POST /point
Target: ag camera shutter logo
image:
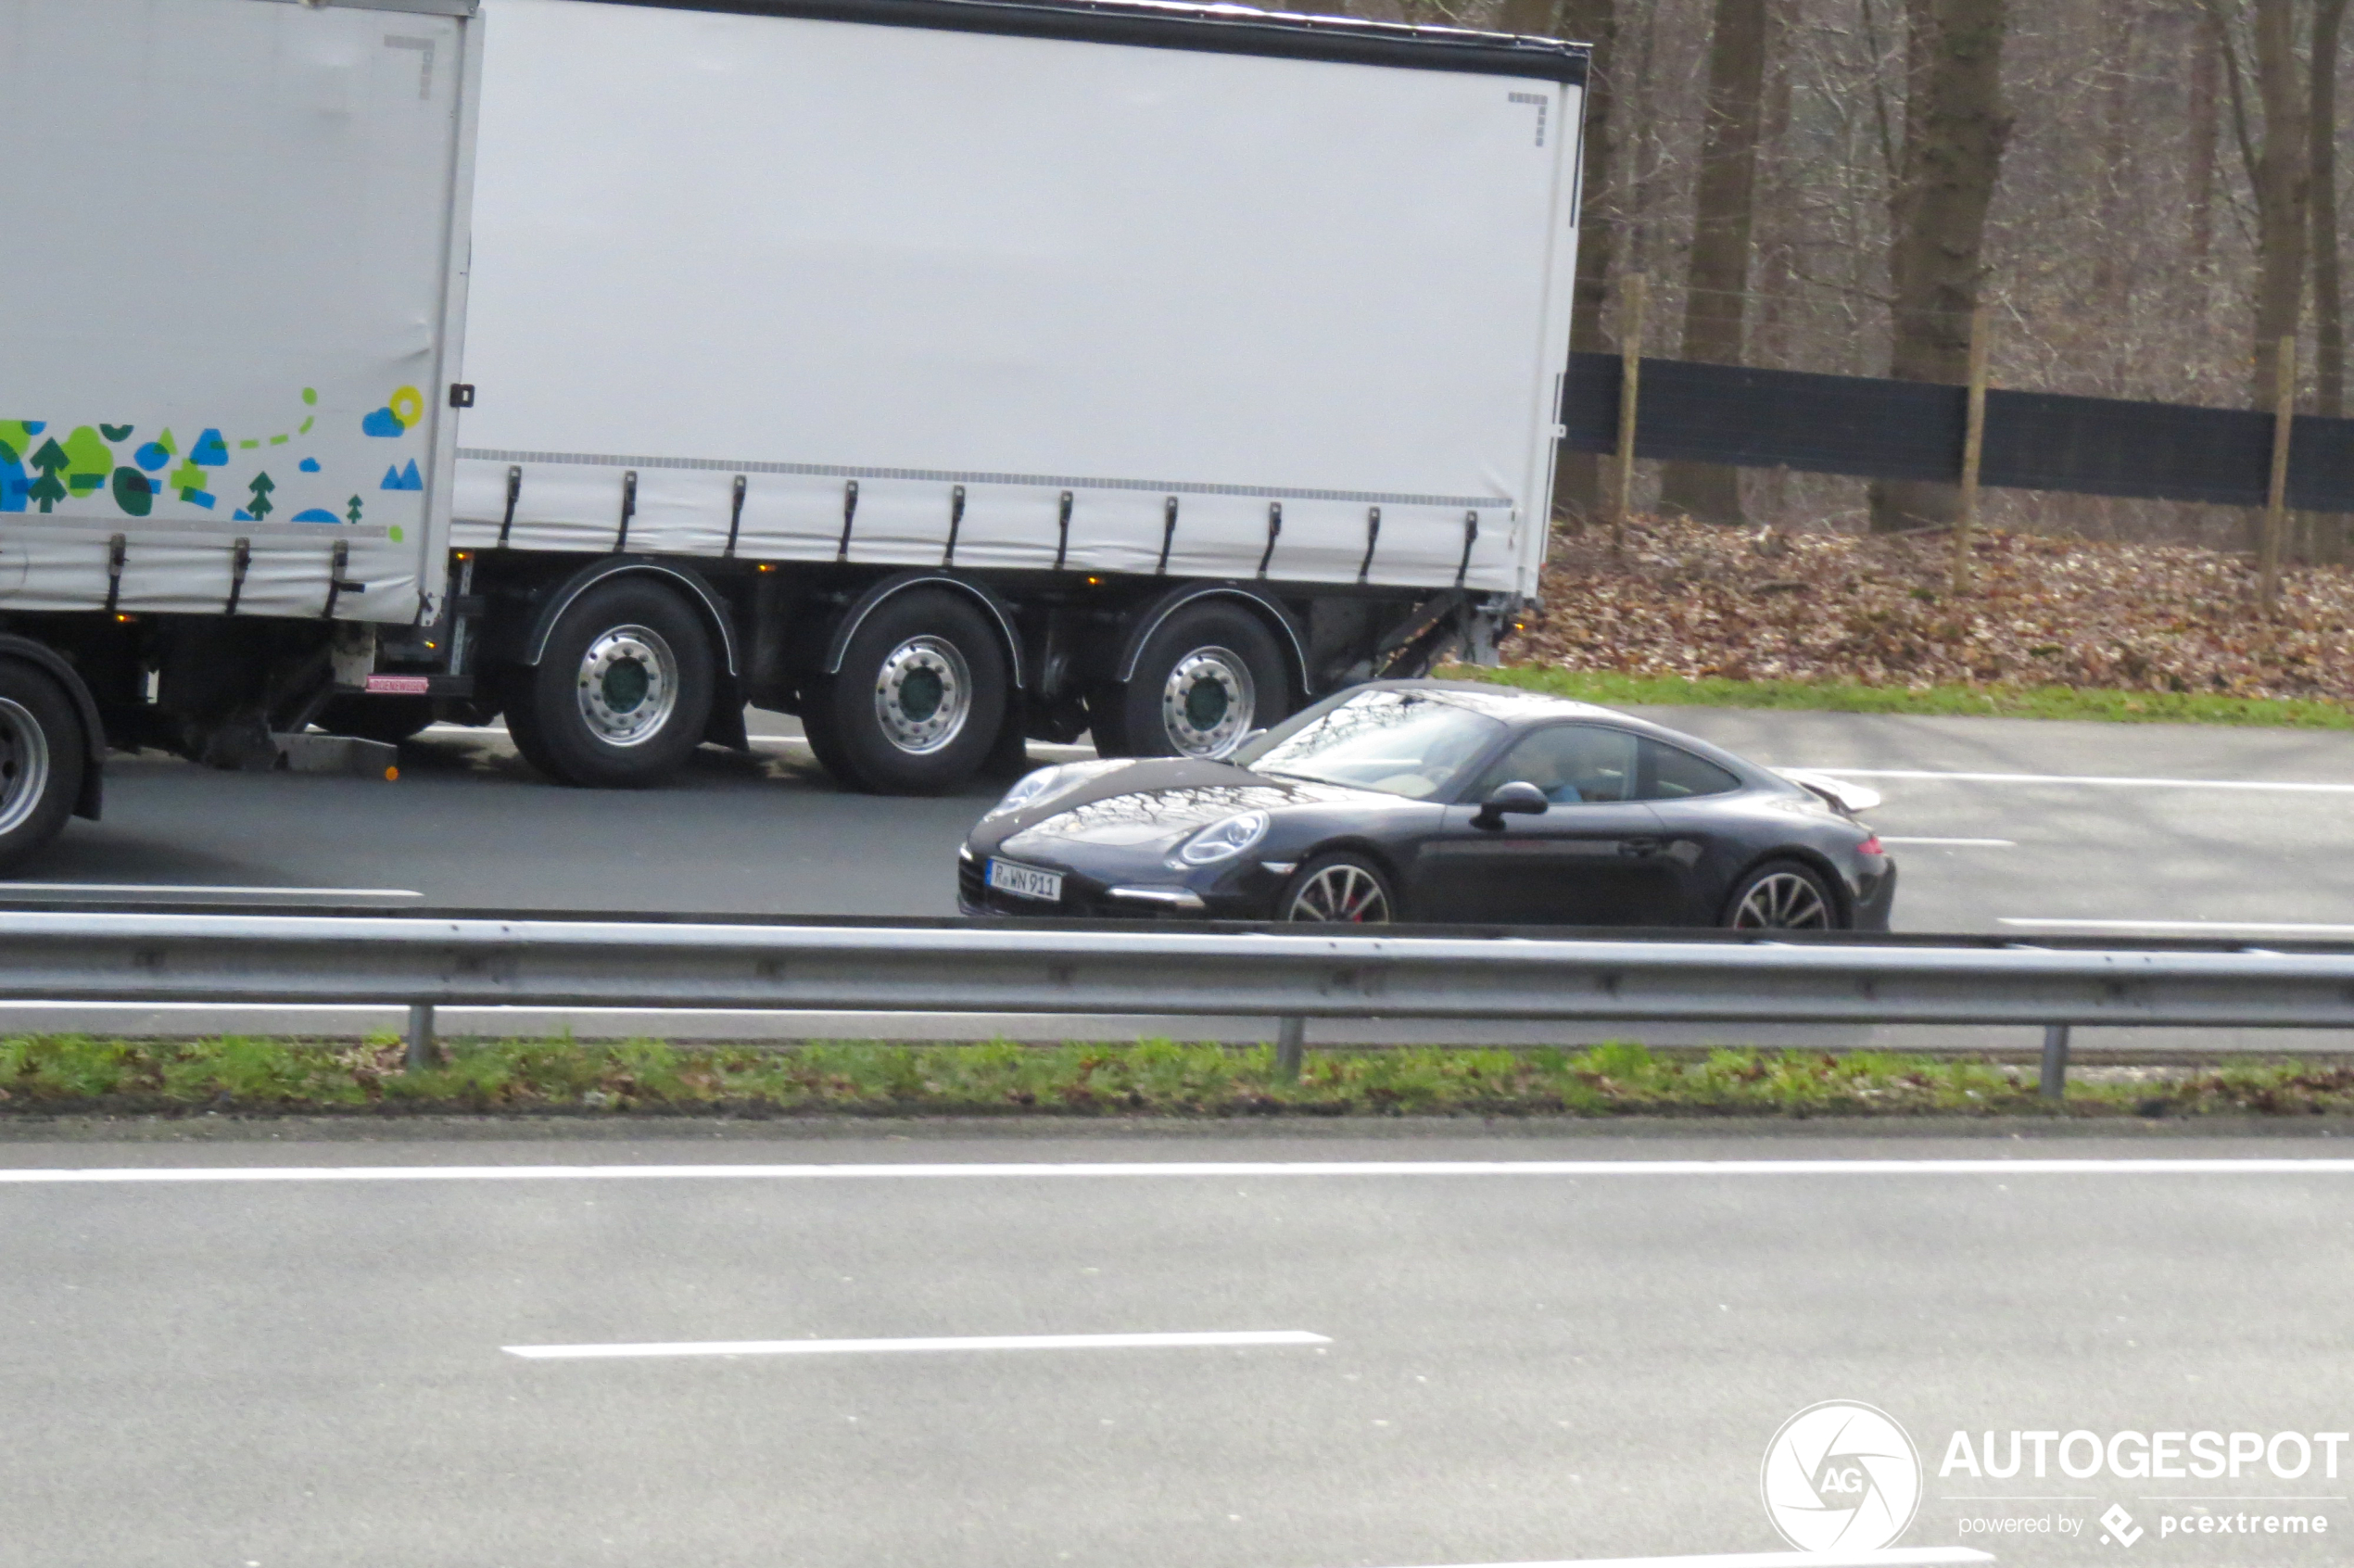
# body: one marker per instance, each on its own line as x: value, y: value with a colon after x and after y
x: 1840, y: 1476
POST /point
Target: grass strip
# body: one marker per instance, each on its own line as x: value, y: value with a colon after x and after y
x: 53, y: 1074
x: 1847, y: 697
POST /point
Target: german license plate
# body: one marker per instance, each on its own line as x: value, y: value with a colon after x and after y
x: 1025, y: 881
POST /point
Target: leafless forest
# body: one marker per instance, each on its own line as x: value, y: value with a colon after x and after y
x: 2142, y: 194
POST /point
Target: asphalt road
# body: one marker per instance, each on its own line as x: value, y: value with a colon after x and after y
x: 2016, y: 827
x: 469, y: 824
x: 1516, y: 1368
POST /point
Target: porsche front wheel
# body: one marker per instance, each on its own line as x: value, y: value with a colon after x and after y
x: 1339, y: 890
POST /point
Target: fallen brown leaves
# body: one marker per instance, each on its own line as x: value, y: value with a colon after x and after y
x: 1693, y: 600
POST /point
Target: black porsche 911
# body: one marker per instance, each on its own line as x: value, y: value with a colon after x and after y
x: 1437, y: 801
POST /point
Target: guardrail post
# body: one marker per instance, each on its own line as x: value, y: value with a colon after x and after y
x: 2055, y: 1079
x: 1291, y: 1048
x: 420, y: 1036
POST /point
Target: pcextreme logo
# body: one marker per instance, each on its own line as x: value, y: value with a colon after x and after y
x: 1840, y: 1476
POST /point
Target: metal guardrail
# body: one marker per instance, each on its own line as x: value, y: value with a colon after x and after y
x: 1294, y: 974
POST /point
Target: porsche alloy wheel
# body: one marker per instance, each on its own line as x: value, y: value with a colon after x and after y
x: 1783, y: 897
x: 1339, y: 890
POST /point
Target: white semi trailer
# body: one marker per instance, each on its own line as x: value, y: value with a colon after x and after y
x: 945, y: 371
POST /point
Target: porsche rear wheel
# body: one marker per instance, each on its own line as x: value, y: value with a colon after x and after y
x: 1783, y: 895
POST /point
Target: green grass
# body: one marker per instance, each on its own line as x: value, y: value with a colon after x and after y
x: 62, y: 1073
x: 1846, y: 697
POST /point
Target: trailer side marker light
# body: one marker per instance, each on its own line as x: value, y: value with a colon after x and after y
x: 392, y: 776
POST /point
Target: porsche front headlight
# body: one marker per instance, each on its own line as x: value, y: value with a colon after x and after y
x: 1224, y: 840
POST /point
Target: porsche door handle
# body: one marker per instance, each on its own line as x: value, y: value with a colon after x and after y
x: 1639, y: 849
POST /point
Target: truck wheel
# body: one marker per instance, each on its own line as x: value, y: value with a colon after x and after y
x: 1208, y: 676
x: 42, y: 757
x: 918, y: 701
x: 389, y: 719
x: 623, y: 692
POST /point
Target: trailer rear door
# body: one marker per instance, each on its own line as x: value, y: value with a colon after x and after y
x: 229, y: 303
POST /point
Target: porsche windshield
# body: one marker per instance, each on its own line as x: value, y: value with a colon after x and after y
x: 1412, y: 743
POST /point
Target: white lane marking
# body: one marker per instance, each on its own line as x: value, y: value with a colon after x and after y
x: 1900, y: 1557
x: 2123, y: 1165
x: 8, y: 888
x: 2191, y: 927
x: 2086, y: 778
x: 1953, y: 843
x: 886, y: 1347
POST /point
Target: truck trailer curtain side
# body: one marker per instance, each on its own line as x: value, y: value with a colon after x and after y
x: 1034, y: 291
x: 949, y: 374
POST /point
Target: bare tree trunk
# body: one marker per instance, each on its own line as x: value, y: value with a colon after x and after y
x: 1955, y: 132
x: 2282, y: 175
x: 1724, y: 208
x: 1577, y: 482
x: 2279, y: 166
x: 2114, y: 258
x: 2329, y: 303
x: 2205, y: 124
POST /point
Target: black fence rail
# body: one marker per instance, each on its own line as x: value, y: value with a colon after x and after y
x: 1873, y: 428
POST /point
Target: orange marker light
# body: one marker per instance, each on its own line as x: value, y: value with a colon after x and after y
x: 392, y: 776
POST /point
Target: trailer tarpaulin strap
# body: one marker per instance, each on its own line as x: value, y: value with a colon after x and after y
x: 240, y: 558
x: 338, y: 564
x: 514, y: 493
x: 118, y: 552
x: 956, y: 524
x: 1875, y: 428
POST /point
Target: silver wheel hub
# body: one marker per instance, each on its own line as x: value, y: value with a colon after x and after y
x: 1783, y: 901
x: 1207, y: 703
x: 25, y: 764
x: 1341, y: 893
x: 629, y: 685
x: 923, y: 694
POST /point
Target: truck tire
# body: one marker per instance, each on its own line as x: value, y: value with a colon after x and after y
x: 42, y: 757
x: 623, y: 692
x: 389, y: 719
x: 1209, y: 675
x: 917, y: 705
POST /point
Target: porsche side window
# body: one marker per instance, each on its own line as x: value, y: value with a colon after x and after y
x: 1672, y: 774
x: 1572, y: 762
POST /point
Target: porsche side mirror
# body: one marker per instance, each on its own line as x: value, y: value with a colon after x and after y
x: 1519, y: 798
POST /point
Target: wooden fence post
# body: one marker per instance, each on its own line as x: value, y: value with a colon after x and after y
x: 1973, y: 449
x: 2268, y: 551
x: 1630, y: 381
